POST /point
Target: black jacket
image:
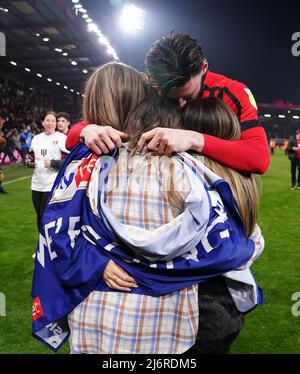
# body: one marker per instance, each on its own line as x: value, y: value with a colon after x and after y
x: 289, y: 151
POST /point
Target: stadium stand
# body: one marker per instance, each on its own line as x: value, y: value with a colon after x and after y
x: 49, y: 55
x: 280, y: 120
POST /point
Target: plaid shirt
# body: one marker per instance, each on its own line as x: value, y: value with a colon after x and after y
x: 118, y: 322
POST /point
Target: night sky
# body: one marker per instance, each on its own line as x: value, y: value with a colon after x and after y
x: 247, y: 41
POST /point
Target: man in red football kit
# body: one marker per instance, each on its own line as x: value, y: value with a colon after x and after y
x: 176, y: 64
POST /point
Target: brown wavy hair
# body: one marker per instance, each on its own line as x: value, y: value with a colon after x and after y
x: 214, y: 117
x: 111, y: 93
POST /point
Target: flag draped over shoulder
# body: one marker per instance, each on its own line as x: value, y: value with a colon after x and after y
x: 79, y: 235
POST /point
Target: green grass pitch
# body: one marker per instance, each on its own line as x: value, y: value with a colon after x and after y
x: 271, y: 328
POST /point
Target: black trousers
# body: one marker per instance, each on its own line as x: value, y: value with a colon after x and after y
x: 219, y: 320
x: 39, y: 200
x: 295, y: 164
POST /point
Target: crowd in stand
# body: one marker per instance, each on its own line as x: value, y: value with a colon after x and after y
x: 21, y: 108
x: 279, y: 128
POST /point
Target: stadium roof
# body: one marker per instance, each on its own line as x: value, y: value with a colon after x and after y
x: 38, y: 33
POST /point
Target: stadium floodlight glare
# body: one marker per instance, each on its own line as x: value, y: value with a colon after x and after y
x: 5, y: 10
x: 74, y: 63
x: 281, y: 116
x: 39, y: 75
x: 78, y: 93
x: 27, y: 69
x: 13, y: 63
x: 82, y: 10
x: 37, y: 34
x: 110, y: 51
x: 49, y: 79
x: 85, y: 15
x: 92, y: 27
x: 58, y: 50
x: 132, y: 18
x: 75, y: 1
x: 46, y: 39
x: 103, y: 40
x: 57, y: 83
x: 296, y: 117
x: 71, y: 90
x: 84, y: 71
x: 65, y: 54
x: 267, y: 115
x: 88, y: 20
x: 66, y: 87
x: 78, y: 6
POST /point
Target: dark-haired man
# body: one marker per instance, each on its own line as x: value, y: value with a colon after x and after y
x: 63, y: 122
x: 177, y: 65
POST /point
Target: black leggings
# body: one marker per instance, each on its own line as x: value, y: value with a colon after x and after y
x: 39, y: 200
x: 219, y: 319
x: 295, y: 164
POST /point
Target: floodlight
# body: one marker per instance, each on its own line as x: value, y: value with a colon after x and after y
x: 132, y: 18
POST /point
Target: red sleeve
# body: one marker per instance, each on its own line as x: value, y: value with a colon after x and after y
x: 249, y: 154
x: 73, y: 137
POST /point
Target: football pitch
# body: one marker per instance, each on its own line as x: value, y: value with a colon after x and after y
x: 271, y: 328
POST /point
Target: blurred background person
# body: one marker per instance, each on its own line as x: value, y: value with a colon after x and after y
x: 2, y: 144
x: 63, y: 122
x: 293, y: 152
x: 25, y: 140
x: 2, y: 190
x: 272, y: 145
x: 5, y: 146
x: 47, y: 150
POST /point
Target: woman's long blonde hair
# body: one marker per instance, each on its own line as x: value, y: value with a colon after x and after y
x: 111, y: 93
x: 214, y: 117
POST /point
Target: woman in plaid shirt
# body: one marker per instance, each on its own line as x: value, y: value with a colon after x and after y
x: 147, y: 192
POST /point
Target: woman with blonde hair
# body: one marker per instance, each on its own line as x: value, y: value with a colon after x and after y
x: 163, y: 220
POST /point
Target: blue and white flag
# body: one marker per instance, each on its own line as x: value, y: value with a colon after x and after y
x: 79, y: 235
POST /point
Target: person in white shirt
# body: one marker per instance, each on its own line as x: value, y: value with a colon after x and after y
x: 47, y: 151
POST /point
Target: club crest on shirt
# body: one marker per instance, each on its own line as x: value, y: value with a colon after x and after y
x: 37, y: 311
x: 76, y: 176
x: 85, y: 170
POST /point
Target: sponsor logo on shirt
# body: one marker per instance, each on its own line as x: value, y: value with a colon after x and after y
x: 43, y: 152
